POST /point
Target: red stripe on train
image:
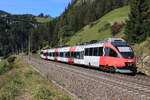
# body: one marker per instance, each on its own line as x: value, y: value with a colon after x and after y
x: 56, y: 50
x: 113, y: 61
x: 55, y: 58
x: 71, y: 60
x: 72, y: 49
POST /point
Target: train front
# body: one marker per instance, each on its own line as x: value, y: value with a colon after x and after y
x: 128, y: 58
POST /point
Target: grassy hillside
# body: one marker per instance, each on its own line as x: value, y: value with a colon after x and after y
x: 43, y: 20
x: 100, y: 29
x: 18, y: 81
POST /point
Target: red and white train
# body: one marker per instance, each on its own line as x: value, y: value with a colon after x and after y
x: 112, y: 54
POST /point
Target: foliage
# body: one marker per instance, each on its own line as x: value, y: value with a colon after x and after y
x: 28, y: 84
x: 145, y: 47
x: 43, y: 19
x: 137, y: 27
x: 14, y: 32
x: 76, y: 16
x: 116, y: 27
x: 7, y: 65
x: 101, y: 28
x: 11, y: 59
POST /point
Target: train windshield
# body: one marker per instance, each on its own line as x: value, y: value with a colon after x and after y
x: 124, y: 49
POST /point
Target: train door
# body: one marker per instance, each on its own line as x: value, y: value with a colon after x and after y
x: 110, y: 58
x: 91, y: 57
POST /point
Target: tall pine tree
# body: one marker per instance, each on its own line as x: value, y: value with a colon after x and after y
x: 137, y: 27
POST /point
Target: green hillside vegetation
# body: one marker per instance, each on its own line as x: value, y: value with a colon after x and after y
x: 42, y: 19
x: 100, y: 29
x: 143, y: 47
x: 21, y: 82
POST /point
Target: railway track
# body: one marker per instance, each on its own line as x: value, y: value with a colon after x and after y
x: 139, y: 79
x: 136, y: 85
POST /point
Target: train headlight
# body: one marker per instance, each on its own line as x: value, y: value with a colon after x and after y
x: 129, y: 64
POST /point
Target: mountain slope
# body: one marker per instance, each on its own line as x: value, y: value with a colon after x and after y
x: 3, y: 13
x: 100, y: 29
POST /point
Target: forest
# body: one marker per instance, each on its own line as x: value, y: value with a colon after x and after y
x: 18, y: 33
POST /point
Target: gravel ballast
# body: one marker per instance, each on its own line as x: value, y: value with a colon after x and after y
x: 89, y: 84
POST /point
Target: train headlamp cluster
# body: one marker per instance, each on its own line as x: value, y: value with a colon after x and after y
x: 129, y: 64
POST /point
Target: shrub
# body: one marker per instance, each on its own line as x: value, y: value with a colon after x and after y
x: 116, y: 27
x: 6, y: 67
x: 11, y: 59
x: 91, y: 25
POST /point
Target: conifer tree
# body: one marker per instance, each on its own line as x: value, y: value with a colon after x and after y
x: 137, y: 27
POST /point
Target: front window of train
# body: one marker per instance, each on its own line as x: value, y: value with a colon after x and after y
x: 125, y: 50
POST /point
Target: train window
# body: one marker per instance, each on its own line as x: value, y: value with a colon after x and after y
x: 112, y: 53
x: 41, y: 52
x: 78, y: 55
x: 86, y: 51
x: 56, y: 54
x: 53, y: 54
x: 95, y: 51
x: 91, y: 51
x: 75, y: 54
x: 45, y: 54
x: 72, y: 54
x: 100, y: 51
x: 49, y: 54
x: 67, y: 54
x: 106, y: 51
x: 61, y: 54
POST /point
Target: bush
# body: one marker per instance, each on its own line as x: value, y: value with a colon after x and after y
x: 116, y: 27
x: 11, y: 59
x: 91, y: 25
x: 6, y: 67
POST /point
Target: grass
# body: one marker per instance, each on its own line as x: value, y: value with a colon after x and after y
x: 43, y: 20
x: 7, y: 65
x: 1, y: 63
x: 23, y: 82
x: 143, y: 48
x: 35, y: 55
x: 91, y: 31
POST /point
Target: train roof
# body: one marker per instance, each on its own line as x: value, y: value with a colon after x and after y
x: 108, y: 40
x: 93, y: 42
